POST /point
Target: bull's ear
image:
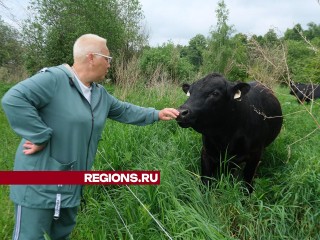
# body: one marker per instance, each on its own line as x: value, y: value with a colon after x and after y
x: 185, y: 87
x: 239, y: 90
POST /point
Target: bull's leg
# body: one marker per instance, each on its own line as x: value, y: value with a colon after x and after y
x: 250, y: 170
x: 208, y: 167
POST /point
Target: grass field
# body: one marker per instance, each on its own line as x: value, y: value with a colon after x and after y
x: 284, y: 205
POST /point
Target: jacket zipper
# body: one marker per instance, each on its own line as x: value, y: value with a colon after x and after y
x: 92, y: 123
x: 92, y: 118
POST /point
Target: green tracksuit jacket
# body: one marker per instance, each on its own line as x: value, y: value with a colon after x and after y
x: 49, y: 108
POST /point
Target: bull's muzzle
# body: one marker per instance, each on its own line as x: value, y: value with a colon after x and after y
x: 183, y: 118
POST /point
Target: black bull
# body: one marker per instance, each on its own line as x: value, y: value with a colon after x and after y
x: 239, y: 119
x: 305, y: 92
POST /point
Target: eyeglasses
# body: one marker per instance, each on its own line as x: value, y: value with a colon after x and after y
x: 108, y: 58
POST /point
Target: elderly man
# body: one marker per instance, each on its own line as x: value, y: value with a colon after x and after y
x: 60, y: 113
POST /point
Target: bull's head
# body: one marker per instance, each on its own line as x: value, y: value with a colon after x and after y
x: 209, y: 100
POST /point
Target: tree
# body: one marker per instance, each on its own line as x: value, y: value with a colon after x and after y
x: 134, y: 36
x: 194, y: 51
x: 270, y: 38
x: 223, y: 54
x: 313, y: 31
x: 56, y: 24
x: 298, y: 34
x: 167, y: 57
x: 303, y: 62
x: 10, y: 52
x: 304, y: 53
x: 293, y: 34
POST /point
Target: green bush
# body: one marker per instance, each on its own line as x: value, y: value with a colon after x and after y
x: 167, y: 57
x: 303, y: 62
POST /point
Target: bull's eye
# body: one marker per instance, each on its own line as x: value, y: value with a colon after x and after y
x: 214, y: 94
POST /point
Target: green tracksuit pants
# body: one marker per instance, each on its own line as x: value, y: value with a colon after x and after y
x: 34, y: 223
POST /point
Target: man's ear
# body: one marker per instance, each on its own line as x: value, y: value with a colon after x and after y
x: 186, y: 87
x: 239, y: 90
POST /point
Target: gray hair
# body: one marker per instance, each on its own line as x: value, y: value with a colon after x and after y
x: 88, y: 43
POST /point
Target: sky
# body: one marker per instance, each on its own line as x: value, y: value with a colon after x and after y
x: 180, y: 20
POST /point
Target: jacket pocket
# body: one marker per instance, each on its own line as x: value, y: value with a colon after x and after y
x: 55, y: 165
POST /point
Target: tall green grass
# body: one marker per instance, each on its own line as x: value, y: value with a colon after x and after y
x: 284, y: 205
x: 8, y: 144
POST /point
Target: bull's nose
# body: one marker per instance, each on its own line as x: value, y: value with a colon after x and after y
x: 184, y: 113
x: 184, y: 118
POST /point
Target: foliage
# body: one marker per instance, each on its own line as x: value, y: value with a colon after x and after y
x: 8, y: 148
x: 235, y: 68
x: 135, y: 36
x: 54, y: 26
x: 293, y: 34
x: 304, y: 53
x: 303, y: 62
x: 194, y: 51
x: 168, y: 58
x: 11, y: 51
x: 267, y: 59
x: 270, y: 39
x: 224, y: 54
x: 297, y: 32
x: 57, y: 24
x: 313, y: 31
x: 127, y: 74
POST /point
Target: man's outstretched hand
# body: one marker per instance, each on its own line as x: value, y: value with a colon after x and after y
x: 168, y: 114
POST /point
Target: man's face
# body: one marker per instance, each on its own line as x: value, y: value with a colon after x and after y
x: 101, y: 62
